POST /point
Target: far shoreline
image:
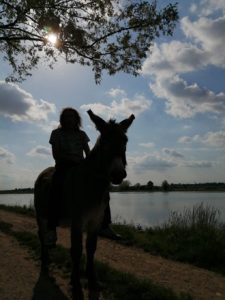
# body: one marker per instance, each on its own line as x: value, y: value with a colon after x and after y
x: 129, y: 190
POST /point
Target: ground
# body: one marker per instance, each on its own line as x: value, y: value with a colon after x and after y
x: 20, y: 276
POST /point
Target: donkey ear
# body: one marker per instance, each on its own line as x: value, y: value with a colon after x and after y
x: 125, y: 124
x: 99, y: 122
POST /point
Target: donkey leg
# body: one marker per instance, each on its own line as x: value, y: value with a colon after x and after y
x: 42, y: 225
x: 44, y: 254
x: 91, y: 245
x: 76, y: 253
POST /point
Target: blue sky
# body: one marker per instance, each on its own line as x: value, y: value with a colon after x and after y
x: 178, y: 101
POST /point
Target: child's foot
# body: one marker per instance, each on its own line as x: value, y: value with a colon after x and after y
x: 109, y: 233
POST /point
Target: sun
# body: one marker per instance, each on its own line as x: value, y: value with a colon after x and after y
x: 52, y: 38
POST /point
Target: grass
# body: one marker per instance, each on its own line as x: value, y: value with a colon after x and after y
x: 115, y: 284
x: 195, y: 236
x: 24, y: 210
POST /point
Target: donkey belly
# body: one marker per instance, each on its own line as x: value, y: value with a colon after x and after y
x: 93, y: 218
x: 41, y: 192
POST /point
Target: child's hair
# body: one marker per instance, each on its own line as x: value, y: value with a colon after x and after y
x: 76, y: 116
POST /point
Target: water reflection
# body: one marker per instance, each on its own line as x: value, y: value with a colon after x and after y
x: 150, y: 209
x: 146, y: 209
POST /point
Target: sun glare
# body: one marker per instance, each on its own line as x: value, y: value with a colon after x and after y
x: 52, y: 38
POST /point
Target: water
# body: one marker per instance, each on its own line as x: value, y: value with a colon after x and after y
x: 17, y: 199
x: 146, y: 209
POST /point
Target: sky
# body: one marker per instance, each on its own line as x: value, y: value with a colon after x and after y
x: 178, y: 100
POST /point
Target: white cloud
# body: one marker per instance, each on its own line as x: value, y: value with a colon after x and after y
x: 19, y: 105
x: 198, y: 164
x: 185, y: 101
x: 193, y: 8
x: 6, y: 156
x: 163, y: 164
x: 150, y: 162
x: 172, y: 153
x: 116, y: 92
x: 185, y: 140
x: 186, y: 127
x: 209, y: 34
x: 147, y: 145
x: 122, y: 108
x: 205, y: 47
x: 214, y: 139
x: 168, y: 59
x: 208, y: 7
x: 40, y: 151
x: 48, y: 126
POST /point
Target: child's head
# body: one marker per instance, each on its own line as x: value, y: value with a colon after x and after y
x: 70, y: 118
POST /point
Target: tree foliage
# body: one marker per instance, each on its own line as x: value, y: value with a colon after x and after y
x: 111, y: 35
x: 150, y: 184
x: 165, y: 185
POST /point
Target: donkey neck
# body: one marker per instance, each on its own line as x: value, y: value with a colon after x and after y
x: 99, y: 162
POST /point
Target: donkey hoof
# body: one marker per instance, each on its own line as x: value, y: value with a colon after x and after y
x: 77, y: 294
x: 94, y: 295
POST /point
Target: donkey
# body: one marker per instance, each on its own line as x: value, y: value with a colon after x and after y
x: 85, y: 196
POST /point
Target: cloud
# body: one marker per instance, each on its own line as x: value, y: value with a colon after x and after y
x: 122, y: 108
x: 185, y: 101
x: 185, y: 140
x: 193, y: 8
x: 6, y: 156
x: 40, y: 151
x: 149, y: 162
x: 209, y: 34
x: 147, y: 145
x: 198, y: 164
x: 175, y: 57
x: 116, y: 92
x: 168, y: 61
x: 214, y: 139
x: 48, y: 126
x: 208, y: 7
x: 19, y: 105
x: 172, y: 153
x: 186, y: 127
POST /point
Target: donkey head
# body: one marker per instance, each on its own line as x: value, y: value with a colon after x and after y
x: 112, y: 144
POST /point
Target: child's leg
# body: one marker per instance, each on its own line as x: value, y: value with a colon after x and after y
x: 107, y: 217
x: 55, y: 199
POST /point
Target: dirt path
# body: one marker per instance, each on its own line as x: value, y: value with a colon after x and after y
x: 201, y: 284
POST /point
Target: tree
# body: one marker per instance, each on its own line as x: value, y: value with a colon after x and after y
x: 165, y: 185
x: 150, y: 185
x: 137, y: 186
x: 104, y: 34
x: 124, y: 185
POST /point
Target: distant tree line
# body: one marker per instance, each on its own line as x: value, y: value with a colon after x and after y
x: 166, y: 187
x: 18, y: 191
x: 148, y: 187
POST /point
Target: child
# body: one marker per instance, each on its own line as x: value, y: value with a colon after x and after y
x: 69, y: 143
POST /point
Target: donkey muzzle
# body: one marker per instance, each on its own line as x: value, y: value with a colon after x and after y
x: 117, y: 171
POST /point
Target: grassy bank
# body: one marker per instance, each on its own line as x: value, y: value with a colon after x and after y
x: 24, y: 210
x: 195, y: 236
x: 115, y: 284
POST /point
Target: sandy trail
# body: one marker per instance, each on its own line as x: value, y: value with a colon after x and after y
x: 200, y: 283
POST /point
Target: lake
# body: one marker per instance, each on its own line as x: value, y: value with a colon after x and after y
x: 146, y: 209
